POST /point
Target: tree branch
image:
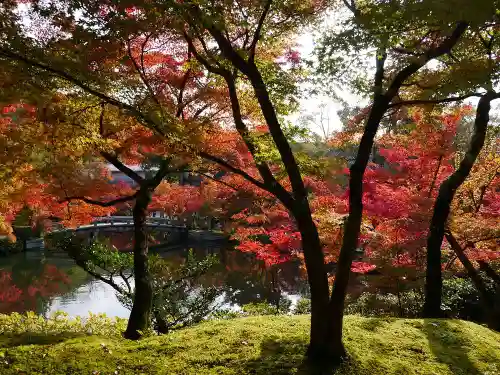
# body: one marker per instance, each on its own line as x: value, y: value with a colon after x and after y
x: 142, y: 73
x: 100, y: 203
x: 434, y: 101
x: 264, y: 170
x: 256, y: 36
x: 68, y: 77
x: 431, y: 54
x: 234, y: 170
x: 122, y: 167
x: 433, y: 184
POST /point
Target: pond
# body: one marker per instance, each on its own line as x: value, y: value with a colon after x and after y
x: 46, y: 282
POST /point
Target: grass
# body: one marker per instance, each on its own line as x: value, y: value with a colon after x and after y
x: 261, y: 345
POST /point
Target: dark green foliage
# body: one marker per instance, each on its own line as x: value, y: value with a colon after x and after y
x: 460, y: 301
x: 303, y: 306
x: 9, y: 247
x: 178, y: 300
x: 263, y: 308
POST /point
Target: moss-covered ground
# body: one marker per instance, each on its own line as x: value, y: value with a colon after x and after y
x: 261, y: 345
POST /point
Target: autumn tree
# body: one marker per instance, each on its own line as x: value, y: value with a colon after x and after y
x: 101, y: 35
x: 401, y: 44
x: 245, y: 50
x: 71, y: 183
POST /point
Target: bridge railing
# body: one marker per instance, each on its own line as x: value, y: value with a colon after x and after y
x: 192, y: 222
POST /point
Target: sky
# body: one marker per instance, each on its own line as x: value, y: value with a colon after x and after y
x: 310, y: 105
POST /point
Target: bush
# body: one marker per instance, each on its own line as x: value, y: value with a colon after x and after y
x: 178, y: 301
x: 59, y: 323
x: 303, y: 306
x: 9, y: 247
x: 264, y: 308
x: 461, y: 299
x: 409, y: 304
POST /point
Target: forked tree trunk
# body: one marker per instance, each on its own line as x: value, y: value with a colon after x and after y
x: 140, y: 316
x: 433, y: 281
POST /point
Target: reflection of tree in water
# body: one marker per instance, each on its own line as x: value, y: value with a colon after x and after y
x: 30, y: 285
x: 245, y: 279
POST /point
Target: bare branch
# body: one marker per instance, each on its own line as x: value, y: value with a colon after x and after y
x: 100, y: 203
x: 256, y: 35
x: 433, y: 101
x: 122, y: 167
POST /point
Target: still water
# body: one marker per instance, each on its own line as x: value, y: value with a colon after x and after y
x: 45, y: 282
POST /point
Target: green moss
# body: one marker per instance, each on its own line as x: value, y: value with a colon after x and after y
x: 262, y: 345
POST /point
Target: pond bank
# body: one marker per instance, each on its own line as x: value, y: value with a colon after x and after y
x: 260, y: 345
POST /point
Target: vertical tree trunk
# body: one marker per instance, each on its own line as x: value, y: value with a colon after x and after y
x: 140, y: 316
x: 353, y: 224
x: 320, y: 333
x: 434, y: 282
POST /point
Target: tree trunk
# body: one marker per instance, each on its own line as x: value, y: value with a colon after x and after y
x: 478, y: 282
x: 140, y: 316
x: 353, y: 224
x: 320, y: 332
x: 490, y: 272
x: 489, y: 300
x: 434, y: 282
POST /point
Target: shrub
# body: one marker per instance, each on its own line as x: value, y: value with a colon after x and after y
x: 178, y: 301
x: 303, y: 306
x: 59, y: 323
x: 408, y: 304
x: 9, y: 247
x: 264, y: 308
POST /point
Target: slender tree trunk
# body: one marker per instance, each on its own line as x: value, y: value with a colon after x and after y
x: 490, y: 300
x: 140, y: 316
x: 471, y: 271
x: 434, y: 282
x: 492, y: 274
x: 353, y: 224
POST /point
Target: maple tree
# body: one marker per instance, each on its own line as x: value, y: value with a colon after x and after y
x: 400, y: 193
x: 402, y: 44
x: 242, y: 65
x: 165, y: 25
x: 71, y: 184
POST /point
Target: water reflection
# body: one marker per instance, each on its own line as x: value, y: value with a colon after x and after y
x: 45, y: 282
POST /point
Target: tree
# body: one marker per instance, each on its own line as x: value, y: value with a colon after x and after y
x: 243, y: 52
x: 403, y: 43
x: 102, y: 74
x: 67, y: 175
x: 442, y: 206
